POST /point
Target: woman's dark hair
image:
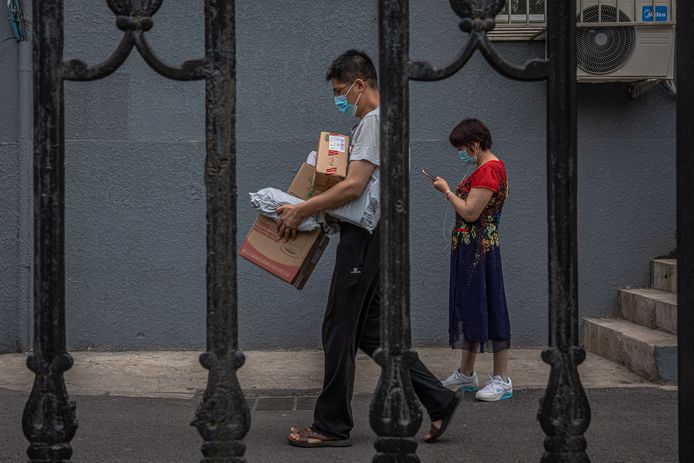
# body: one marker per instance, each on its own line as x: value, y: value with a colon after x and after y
x: 470, y: 131
x: 353, y: 65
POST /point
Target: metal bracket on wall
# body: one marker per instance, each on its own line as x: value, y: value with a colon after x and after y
x: 670, y: 85
x: 636, y: 89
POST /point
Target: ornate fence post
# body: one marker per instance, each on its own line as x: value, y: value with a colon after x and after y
x: 223, y: 418
x: 49, y: 421
x: 395, y: 414
x: 564, y: 412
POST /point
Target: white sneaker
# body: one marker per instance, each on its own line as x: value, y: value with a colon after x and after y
x: 458, y: 381
x: 496, y: 389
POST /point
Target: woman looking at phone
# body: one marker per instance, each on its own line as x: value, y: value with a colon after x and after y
x: 477, y: 302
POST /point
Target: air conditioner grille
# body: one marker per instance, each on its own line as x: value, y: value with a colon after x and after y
x: 602, y: 50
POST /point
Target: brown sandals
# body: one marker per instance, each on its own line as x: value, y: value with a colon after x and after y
x: 308, y: 438
x: 435, y: 432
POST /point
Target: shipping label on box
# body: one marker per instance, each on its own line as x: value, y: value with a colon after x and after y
x: 331, y: 161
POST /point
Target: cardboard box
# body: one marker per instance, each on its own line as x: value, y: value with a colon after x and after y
x: 292, y: 261
x: 331, y: 161
x: 302, y: 186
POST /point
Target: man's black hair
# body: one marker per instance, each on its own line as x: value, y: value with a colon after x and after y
x: 353, y: 65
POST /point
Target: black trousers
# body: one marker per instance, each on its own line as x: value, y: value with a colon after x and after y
x: 352, y: 321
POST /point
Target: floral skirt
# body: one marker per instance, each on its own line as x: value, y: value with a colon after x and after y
x: 477, y: 302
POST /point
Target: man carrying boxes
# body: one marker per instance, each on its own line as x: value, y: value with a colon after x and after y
x: 352, y: 316
x: 294, y: 260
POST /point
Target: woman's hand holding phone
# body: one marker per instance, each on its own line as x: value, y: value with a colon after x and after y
x: 439, y: 183
x: 442, y: 185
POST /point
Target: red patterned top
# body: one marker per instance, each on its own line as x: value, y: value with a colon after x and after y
x: 484, y: 232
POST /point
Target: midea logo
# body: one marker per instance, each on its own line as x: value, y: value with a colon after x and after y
x: 660, y: 13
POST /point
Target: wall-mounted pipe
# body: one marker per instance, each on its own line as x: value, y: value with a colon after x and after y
x: 25, y: 232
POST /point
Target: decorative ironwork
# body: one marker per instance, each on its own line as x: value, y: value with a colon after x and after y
x: 394, y: 413
x: 223, y: 418
x: 564, y: 412
x: 478, y: 15
x: 478, y: 18
x: 49, y: 421
x: 134, y: 14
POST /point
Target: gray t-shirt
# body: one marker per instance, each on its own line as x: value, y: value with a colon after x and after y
x: 365, y: 144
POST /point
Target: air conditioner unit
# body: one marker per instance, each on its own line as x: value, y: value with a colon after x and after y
x: 625, y: 40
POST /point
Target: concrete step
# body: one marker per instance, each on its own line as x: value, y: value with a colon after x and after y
x: 651, y: 308
x: 647, y: 352
x: 664, y: 275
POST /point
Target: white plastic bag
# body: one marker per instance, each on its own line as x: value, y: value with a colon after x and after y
x: 311, y: 159
x: 365, y: 211
x: 267, y: 200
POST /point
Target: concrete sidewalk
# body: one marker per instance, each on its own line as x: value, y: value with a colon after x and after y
x: 276, y: 373
x: 137, y: 406
x: 628, y: 425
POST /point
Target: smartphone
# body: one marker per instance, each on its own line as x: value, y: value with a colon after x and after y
x: 432, y: 177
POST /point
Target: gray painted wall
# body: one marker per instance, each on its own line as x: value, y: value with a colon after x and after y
x: 135, y: 219
x: 8, y: 186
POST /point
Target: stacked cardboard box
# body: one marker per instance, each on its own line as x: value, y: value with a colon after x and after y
x: 294, y: 261
x: 331, y: 161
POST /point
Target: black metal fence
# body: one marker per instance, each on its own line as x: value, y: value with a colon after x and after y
x: 564, y: 413
x: 223, y: 418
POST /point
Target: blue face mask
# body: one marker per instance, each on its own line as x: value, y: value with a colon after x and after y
x: 343, y: 105
x: 466, y: 158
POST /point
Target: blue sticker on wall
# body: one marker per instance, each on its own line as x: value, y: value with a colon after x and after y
x: 660, y: 13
